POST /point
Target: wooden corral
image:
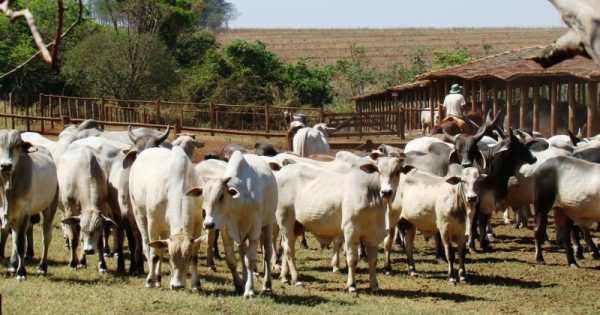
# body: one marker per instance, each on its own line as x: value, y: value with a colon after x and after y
x: 551, y: 100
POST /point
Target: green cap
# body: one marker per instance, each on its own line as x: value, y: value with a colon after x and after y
x: 455, y: 89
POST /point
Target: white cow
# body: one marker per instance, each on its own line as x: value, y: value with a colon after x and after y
x: 242, y: 205
x: 188, y: 142
x: 421, y: 145
x: 309, y: 141
x: 83, y: 195
x: 426, y: 124
x: 29, y: 186
x: 337, y: 207
x: 436, y: 204
x: 165, y: 216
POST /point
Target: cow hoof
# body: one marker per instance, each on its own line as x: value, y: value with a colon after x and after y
x: 102, y: 270
x: 157, y: 285
x: 266, y: 291
x: 388, y: 272
x: 352, y: 290
x: 472, y: 250
x: 249, y: 294
x: 213, y: 268
x: 285, y: 281
x: 413, y: 274
x: 453, y: 281
x: 463, y: 279
x: 540, y: 262
x: 574, y: 266
x: 336, y: 270
x: 487, y: 249
x: 81, y: 266
x: 507, y: 221
x: 441, y: 260
x: 42, y: 272
x: 196, y: 289
x: 149, y: 285
x: 12, y: 270
x: 21, y: 278
x: 299, y: 283
x: 375, y: 290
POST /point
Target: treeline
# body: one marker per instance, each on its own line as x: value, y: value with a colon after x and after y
x: 146, y: 49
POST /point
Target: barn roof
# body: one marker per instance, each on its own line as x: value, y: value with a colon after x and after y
x: 516, y: 63
x: 397, y: 88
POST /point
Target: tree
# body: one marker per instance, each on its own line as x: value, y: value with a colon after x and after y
x: 357, y: 70
x: 309, y: 85
x: 448, y: 58
x: 213, y: 14
x: 117, y: 68
x: 191, y: 48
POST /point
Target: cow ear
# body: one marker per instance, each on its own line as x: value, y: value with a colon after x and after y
x: 198, y: 144
x: 453, y: 180
x: 194, y: 192
x: 406, y: 168
x: 233, y: 192
x: 453, y: 157
x: 160, y: 244
x: 503, y: 149
x: 482, y: 176
x: 375, y: 154
x: 28, y: 147
x: 369, y: 168
x: 71, y: 220
x: 288, y: 162
x: 129, y: 159
x: 274, y: 166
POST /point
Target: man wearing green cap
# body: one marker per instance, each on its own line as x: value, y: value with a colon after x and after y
x: 454, y: 102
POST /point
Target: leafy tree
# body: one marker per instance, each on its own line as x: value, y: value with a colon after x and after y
x: 309, y: 85
x: 121, y: 66
x: 357, y: 70
x: 191, y: 48
x: 487, y: 47
x: 213, y: 14
x: 448, y: 58
x: 419, y: 65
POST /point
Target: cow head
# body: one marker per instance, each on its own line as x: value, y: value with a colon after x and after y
x: 12, y: 150
x: 265, y: 149
x: 389, y: 169
x: 188, y: 142
x: 466, y: 151
x: 218, y: 199
x: 468, y: 184
x: 92, y: 224
x: 183, y: 252
x: 142, y: 143
x: 322, y: 127
x: 516, y: 151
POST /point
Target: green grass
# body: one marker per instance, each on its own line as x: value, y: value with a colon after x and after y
x: 505, y: 281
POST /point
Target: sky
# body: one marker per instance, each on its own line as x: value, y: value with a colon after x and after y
x: 394, y: 13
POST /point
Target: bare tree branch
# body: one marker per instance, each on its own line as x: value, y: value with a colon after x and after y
x: 56, y: 43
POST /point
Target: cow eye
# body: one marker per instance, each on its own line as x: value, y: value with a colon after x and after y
x: 221, y: 198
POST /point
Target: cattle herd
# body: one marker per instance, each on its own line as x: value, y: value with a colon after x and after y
x: 135, y: 184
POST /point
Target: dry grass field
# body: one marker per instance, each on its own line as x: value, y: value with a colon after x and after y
x: 388, y: 46
x: 503, y: 281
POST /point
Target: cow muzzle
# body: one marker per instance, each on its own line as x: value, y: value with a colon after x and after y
x: 209, y: 225
x: 386, y: 193
x: 6, y: 167
x: 472, y: 199
x: 466, y: 164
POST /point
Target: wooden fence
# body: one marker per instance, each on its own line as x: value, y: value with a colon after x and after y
x: 51, y: 112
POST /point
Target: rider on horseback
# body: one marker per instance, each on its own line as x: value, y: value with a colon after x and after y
x: 453, y: 103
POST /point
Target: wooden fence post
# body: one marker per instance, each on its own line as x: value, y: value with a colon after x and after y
x: 571, y: 101
x: 321, y: 115
x: 267, y: 129
x: 211, y: 113
x: 536, y: 106
x: 522, y: 110
x: 12, y: 110
x: 158, y: 112
x: 400, y: 123
x: 41, y: 111
x: 27, y: 122
x: 553, y: 108
x: 592, y: 92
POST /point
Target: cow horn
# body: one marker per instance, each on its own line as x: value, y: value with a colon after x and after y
x: 488, y: 117
x: 479, y: 135
x: 132, y: 137
x: 573, y: 137
x: 225, y: 180
x: 447, y: 137
x: 164, y: 135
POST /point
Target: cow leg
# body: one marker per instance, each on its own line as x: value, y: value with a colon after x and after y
x: 106, y: 235
x: 210, y: 260
x: 411, y: 231
x: 153, y: 279
x: 483, y: 223
x: 288, y: 261
x: 250, y: 266
x: 133, y: 245
x: 506, y: 215
x: 587, y: 236
x: 19, y: 237
x: 387, y: 247
x: 576, y: 240
x: 303, y: 243
x: 120, y: 239
x: 372, y: 259
x: 462, y: 273
x: 276, y: 251
x: 30, y: 251
x: 215, y: 245
x: 362, y: 252
x: 267, y: 240
x: 566, y: 240
x: 473, y: 234
x: 232, y: 262
x: 351, y: 260
x: 440, y: 254
x: 541, y: 221
x: 335, y: 259
x: 3, y: 239
x: 447, y: 242
x: 46, y: 237
x: 101, y: 261
x: 399, y: 237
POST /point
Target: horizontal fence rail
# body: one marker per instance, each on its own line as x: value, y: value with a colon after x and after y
x: 51, y: 112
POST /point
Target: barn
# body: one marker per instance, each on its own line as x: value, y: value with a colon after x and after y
x: 550, y: 100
